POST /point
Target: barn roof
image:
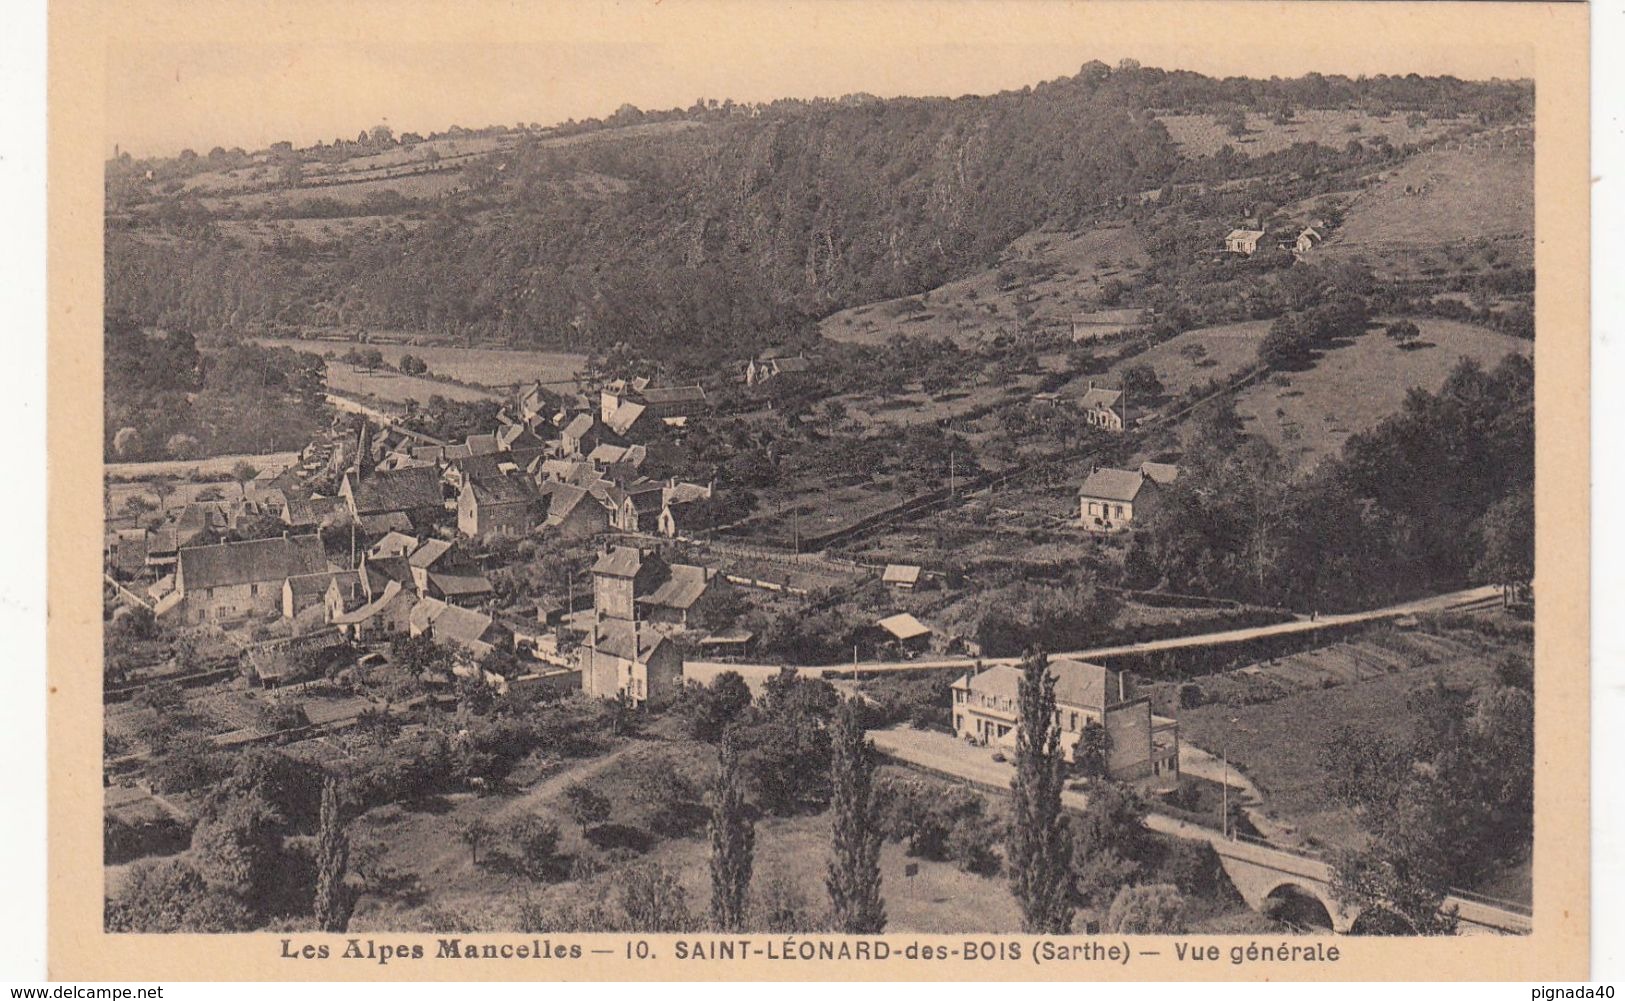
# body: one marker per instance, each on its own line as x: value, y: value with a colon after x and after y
x: 407, y: 489
x: 253, y: 562
x: 905, y: 626
x: 1113, y: 484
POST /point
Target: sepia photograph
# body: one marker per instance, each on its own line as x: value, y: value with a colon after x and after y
x: 786, y: 491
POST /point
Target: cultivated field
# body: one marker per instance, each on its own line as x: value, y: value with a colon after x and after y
x: 1273, y: 718
x: 1309, y: 414
x: 393, y: 387
x: 498, y: 368
x: 1044, y: 281
x: 1202, y: 135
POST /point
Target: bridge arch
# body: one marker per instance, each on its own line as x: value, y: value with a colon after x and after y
x: 1303, y: 906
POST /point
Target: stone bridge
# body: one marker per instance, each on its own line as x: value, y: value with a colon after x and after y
x: 1267, y: 876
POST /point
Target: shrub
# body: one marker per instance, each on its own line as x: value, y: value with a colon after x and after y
x: 972, y: 844
x: 1191, y: 695
x: 654, y: 901
x: 780, y: 906
x: 1157, y: 909
x: 535, y: 842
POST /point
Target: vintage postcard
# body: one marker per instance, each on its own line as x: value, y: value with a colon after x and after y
x: 748, y: 490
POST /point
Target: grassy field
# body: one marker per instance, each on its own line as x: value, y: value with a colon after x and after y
x: 434, y: 873
x: 1225, y: 349
x: 394, y: 387
x: 1309, y: 414
x: 1202, y: 135
x: 494, y: 367
x: 1461, y: 194
x: 1044, y: 281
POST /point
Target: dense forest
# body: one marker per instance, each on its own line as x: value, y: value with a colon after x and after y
x: 167, y: 400
x: 708, y: 241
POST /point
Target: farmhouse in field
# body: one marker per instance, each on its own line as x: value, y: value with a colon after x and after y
x: 1243, y: 241
x: 1104, y: 408
x: 1138, y: 743
x: 235, y: 580
x: 773, y: 363
x: 1111, y: 499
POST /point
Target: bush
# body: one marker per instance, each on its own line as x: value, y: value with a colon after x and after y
x: 1157, y: 909
x: 170, y: 896
x: 274, y: 717
x: 780, y: 906
x: 1194, y: 867
x: 535, y: 842
x: 925, y: 815
x: 1191, y: 695
x: 972, y: 844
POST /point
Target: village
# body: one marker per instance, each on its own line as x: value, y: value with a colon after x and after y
x: 385, y: 573
x: 1196, y: 459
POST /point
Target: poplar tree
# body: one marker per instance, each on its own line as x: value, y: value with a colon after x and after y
x: 733, y: 840
x: 1040, y: 851
x: 334, y: 900
x: 854, y: 868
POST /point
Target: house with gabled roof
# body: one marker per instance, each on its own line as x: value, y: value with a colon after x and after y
x: 505, y: 504
x: 675, y: 598
x: 471, y: 632
x: 906, y: 631
x: 314, y: 512
x: 386, y: 614
x: 394, y: 544
x: 584, y: 433
x: 620, y: 575
x: 625, y: 417
x: 1139, y: 744
x: 675, y: 502
x: 1243, y: 241
x: 1104, y: 408
x: 773, y: 363
x: 304, y: 591
x: 415, y: 492
x: 630, y: 660
x: 1111, y: 499
x: 231, y: 581
x: 1164, y: 473
x: 638, y: 506
x: 902, y: 576
x: 572, y: 512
